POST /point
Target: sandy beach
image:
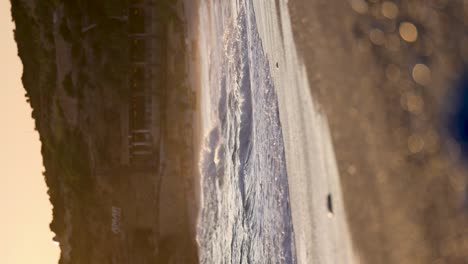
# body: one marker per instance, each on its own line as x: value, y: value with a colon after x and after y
x: 312, y: 170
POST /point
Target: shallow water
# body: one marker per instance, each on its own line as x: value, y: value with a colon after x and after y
x: 246, y: 215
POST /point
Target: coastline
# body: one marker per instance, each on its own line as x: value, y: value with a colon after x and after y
x: 320, y: 235
x: 196, y: 12
x: 191, y: 13
x: 179, y: 203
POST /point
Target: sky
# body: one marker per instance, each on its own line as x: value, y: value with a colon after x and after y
x: 25, y: 210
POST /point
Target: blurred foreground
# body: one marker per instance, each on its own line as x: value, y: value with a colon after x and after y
x: 382, y: 72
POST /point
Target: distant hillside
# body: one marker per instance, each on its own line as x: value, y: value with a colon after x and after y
x: 61, y: 75
x: 76, y: 62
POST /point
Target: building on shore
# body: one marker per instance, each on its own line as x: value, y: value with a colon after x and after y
x: 142, y: 114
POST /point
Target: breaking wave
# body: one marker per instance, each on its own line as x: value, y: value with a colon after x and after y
x: 245, y: 215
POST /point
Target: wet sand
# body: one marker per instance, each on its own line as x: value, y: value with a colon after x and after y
x: 320, y: 237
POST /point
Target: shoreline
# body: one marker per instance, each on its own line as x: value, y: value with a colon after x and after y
x: 312, y: 178
x: 179, y: 204
x: 199, y: 80
x: 194, y: 81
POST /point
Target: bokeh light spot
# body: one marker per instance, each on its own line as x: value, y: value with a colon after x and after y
x: 359, y: 6
x: 389, y: 10
x: 408, y: 32
x: 421, y: 74
x: 414, y: 104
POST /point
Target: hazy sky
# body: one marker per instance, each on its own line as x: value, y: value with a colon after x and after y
x: 25, y: 210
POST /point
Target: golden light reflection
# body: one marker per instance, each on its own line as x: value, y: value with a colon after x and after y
x: 360, y: 6
x: 389, y: 10
x: 414, y: 103
x: 408, y: 32
x: 421, y: 74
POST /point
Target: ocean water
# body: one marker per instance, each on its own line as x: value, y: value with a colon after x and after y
x: 246, y: 214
